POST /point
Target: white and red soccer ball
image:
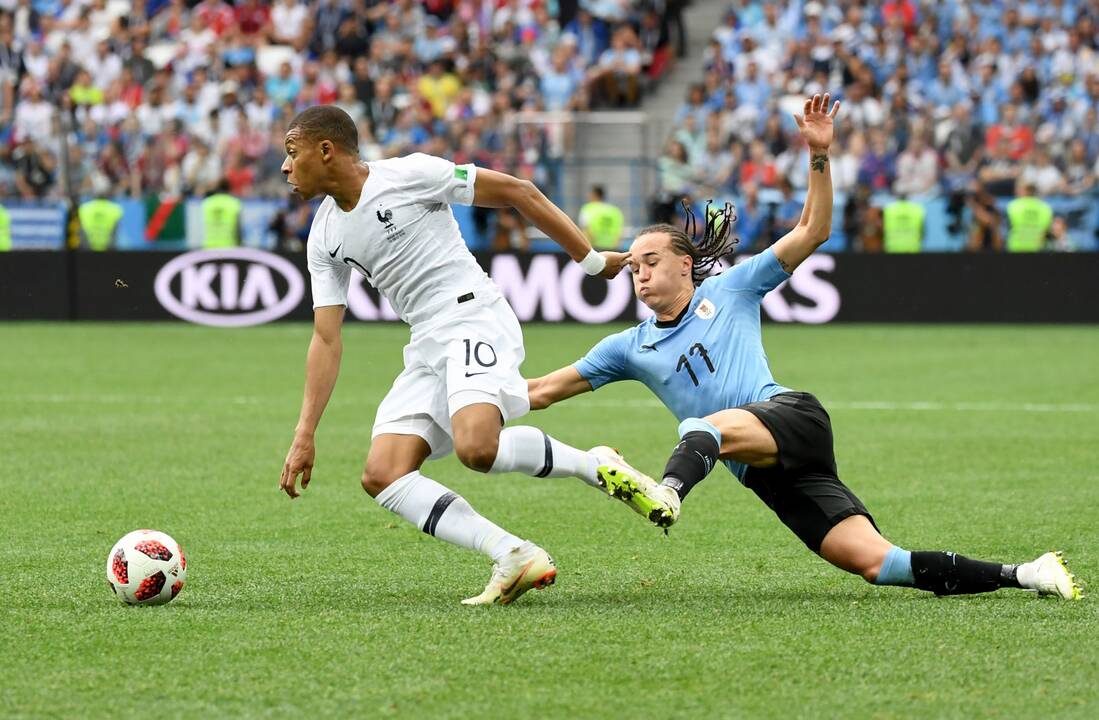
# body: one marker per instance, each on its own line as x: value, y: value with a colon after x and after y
x: 146, y: 567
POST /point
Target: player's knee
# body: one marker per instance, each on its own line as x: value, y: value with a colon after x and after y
x: 377, y: 476
x: 479, y: 455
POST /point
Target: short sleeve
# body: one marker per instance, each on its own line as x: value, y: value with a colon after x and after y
x: 759, y: 274
x: 606, y: 362
x: 434, y: 179
x: 328, y: 279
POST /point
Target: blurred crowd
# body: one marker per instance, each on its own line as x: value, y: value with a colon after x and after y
x: 178, y: 98
x: 974, y: 102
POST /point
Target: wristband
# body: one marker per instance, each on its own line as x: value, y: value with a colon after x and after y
x: 593, y: 263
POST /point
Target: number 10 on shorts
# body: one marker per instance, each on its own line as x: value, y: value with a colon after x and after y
x: 479, y: 352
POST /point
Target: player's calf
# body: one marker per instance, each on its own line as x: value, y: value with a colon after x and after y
x: 947, y: 573
x: 694, y: 457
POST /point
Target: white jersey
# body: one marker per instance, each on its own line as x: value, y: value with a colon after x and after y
x: 403, y: 237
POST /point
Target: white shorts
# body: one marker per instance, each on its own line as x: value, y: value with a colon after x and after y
x: 470, y: 357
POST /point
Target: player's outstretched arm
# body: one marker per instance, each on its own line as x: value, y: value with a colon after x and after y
x: 557, y: 386
x: 816, y: 217
x: 322, y: 366
x: 495, y: 189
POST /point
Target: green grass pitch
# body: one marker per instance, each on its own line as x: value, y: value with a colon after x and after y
x: 980, y: 440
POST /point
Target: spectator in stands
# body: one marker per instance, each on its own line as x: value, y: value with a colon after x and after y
x: 239, y: 173
x: 285, y: 87
x: 111, y: 168
x: 34, y: 115
x: 846, y: 159
x: 563, y: 81
x: 36, y: 63
x: 1059, y: 240
x: 999, y: 171
x: 717, y: 165
x: 751, y: 218
x: 1079, y: 173
x: 752, y: 90
x: 959, y: 141
x: 695, y: 105
x: 1020, y: 137
x: 34, y: 168
x: 758, y: 168
x: 860, y: 109
x: 619, y: 72
x: 985, y: 232
x: 202, y: 168
x: 439, y: 87
x: 252, y: 17
x: 591, y: 36
x: 787, y: 213
x: 878, y: 164
x: 693, y: 139
x: 287, y: 20
x: 1040, y: 173
x: 917, y: 169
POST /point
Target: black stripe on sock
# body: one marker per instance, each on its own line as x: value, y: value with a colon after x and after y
x: 548, y: 467
x: 437, y: 512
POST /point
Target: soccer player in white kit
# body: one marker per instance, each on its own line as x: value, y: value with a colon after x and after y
x: 390, y: 221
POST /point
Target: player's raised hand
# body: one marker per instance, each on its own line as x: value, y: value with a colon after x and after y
x: 299, y: 461
x: 615, y: 262
x: 816, y: 122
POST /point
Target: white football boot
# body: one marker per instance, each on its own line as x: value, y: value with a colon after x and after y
x: 1049, y: 575
x: 658, y: 503
x: 525, y: 567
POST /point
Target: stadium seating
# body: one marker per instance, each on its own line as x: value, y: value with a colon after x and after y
x: 156, y: 102
x: 930, y: 92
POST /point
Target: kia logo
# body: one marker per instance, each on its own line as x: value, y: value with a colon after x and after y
x: 234, y: 287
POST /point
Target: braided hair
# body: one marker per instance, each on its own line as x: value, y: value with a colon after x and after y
x: 715, y: 243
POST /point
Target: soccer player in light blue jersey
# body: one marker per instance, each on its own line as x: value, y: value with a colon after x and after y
x: 702, y: 355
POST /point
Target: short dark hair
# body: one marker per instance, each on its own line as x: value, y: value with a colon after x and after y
x: 716, y: 241
x: 328, y: 122
x: 597, y: 190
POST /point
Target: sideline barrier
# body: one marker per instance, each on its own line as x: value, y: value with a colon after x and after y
x: 247, y: 286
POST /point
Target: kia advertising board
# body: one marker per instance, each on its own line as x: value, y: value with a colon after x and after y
x: 246, y: 286
x: 229, y: 288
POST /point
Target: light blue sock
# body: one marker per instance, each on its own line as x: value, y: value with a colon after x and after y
x: 896, y: 569
x: 699, y: 425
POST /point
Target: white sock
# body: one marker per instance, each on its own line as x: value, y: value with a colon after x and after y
x: 1026, y: 574
x: 530, y: 451
x: 445, y: 515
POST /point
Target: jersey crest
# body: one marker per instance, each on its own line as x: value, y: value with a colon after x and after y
x: 706, y: 309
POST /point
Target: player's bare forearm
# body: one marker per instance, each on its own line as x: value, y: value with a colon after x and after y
x: 496, y: 189
x: 322, y: 367
x: 815, y: 224
x: 557, y: 386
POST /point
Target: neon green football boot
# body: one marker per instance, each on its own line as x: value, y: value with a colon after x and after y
x: 658, y: 503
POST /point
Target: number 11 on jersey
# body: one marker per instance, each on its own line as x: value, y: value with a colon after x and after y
x: 685, y: 364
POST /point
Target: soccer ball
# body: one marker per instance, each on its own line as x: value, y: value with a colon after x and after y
x: 146, y: 567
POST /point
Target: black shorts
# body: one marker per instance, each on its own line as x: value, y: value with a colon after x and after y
x: 804, y: 489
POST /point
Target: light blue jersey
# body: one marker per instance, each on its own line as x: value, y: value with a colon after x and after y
x: 711, y: 360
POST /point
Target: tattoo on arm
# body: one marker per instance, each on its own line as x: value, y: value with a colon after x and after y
x: 818, y: 161
x: 788, y: 268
